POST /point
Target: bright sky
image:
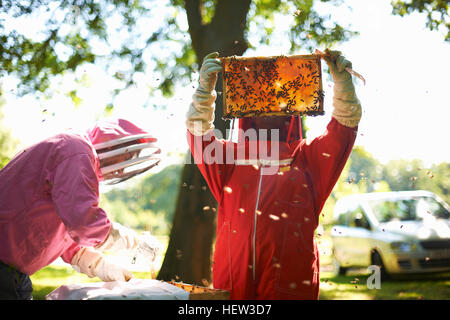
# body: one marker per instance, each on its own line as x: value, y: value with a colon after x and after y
x: 405, y: 101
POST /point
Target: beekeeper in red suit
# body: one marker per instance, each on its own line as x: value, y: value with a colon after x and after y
x: 269, y: 208
x: 49, y: 204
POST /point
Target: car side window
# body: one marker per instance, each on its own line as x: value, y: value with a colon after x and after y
x: 342, y: 219
x: 358, y: 219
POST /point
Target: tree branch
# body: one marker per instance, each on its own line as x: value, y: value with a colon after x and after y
x: 232, y: 12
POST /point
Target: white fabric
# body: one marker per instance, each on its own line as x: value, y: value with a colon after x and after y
x: 126, y: 150
x: 148, y: 247
x: 127, y: 164
x: 347, y: 108
x: 119, y: 141
x: 94, y: 264
x: 135, y: 289
x: 140, y: 157
x: 120, y: 238
x: 263, y: 162
x: 200, y: 116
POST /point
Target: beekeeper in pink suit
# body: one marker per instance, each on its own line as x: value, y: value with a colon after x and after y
x: 49, y: 204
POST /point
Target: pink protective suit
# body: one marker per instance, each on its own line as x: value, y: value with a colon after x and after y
x: 49, y: 196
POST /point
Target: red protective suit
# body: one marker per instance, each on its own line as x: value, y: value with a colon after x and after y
x: 49, y: 196
x: 265, y: 247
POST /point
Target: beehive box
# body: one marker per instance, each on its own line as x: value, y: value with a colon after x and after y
x: 202, y: 293
x: 272, y: 86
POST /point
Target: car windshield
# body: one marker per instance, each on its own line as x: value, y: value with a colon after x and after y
x: 412, y: 208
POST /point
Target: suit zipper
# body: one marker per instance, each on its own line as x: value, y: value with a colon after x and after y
x: 254, y: 225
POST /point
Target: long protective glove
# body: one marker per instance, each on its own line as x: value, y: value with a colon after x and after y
x: 94, y: 264
x: 200, y: 116
x: 347, y: 108
x: 121, y: 238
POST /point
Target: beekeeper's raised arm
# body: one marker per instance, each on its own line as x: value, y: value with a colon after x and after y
x: 346, y: 105
x: 200, y: 116
x: 326, y: 155
x: 200, y: 126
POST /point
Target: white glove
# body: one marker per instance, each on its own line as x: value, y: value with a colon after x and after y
x: 94, y: 264
x: 200, y: 116
x: 347, y: 108
x: 121, y: 238
x: 148, y: 247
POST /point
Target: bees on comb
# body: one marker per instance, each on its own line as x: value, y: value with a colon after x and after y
x: 272, y: 86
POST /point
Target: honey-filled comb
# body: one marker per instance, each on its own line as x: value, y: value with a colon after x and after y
x: 272, y: 86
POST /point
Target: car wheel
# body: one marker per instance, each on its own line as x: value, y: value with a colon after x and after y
x: 338, y: 270
x: 377, y: 261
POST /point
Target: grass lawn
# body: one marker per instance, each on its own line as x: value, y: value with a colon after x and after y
x: 350, y: 287
x: 49, y: 278
x: 353, y: 287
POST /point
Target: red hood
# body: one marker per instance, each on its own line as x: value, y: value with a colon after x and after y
x: 290, y: 133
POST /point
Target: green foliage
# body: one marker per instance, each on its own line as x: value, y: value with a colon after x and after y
x: 8, y: 144
x: 413, y: 175
x: 363, y: 173
x: 313, y: 30
x: 364, y: 167
x: 309, y: 29
x: 72, y: 31
x: 67, y: 38
x: 436, y: 11
x: 148, y: 204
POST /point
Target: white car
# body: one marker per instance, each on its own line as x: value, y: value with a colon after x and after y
x: 402, y: 232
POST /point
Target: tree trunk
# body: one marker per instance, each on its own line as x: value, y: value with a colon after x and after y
x: 188, y: 256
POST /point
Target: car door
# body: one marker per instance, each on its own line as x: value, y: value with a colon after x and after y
x: 359, y: 236
x: 341, y: 243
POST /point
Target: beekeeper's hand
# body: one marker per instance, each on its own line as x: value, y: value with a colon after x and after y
x: 200, y: 116
x: 120, y: 238
x: 347, y: 108
x: 148, y: 247
x: 94, y: 264
x: 337, y: 64
x: 208, y: 72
